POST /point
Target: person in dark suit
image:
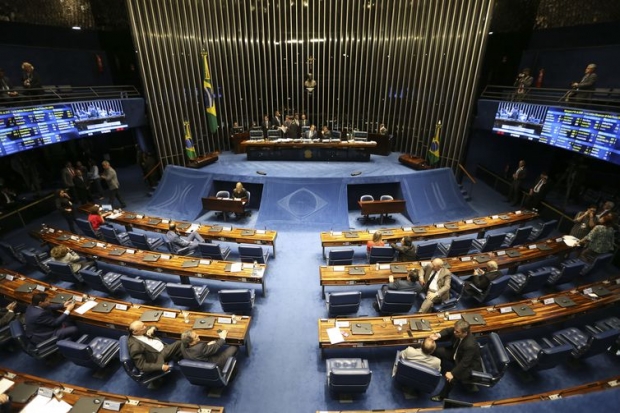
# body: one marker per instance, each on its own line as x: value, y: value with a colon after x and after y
x: 81, y: 187
x: 311, y: 133
x: 276, y: 121
x: 514, y: 193
x: 406, y: 251
x: 31, y: 80
x: 194, y: 349
x: 538, y: 192
x: 459, y: 358
x: 481, y: 279
x: 410, y: 284
x: 42, y: 323
x: 435, y: 281
x: 191, y: 241
x: 148, y: 352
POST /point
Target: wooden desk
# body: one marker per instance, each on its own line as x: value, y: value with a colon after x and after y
x: 204, y: 160
x: 238, y: 333
x: 167, y: 263
x: 382, y: 208
x: 419, y: 233
x: 214, y: 232
x: 236, y: 139
x: 308, y: 151
x: 385, y: 333
x: 414, y: 162
x: 224, y: 205
x: 71, y: 393
x: 463, y: 265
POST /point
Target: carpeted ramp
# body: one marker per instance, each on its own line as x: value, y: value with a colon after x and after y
x: 179, y: 193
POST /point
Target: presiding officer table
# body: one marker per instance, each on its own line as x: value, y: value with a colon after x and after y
x: 171, y: 324
x: 298, y: 150
x: 338, y: 275
x: 382, y: 208
x: 183, y: 266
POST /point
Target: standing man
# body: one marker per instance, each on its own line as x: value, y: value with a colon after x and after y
x: 587, y: 84
x: 109, y: 175
x: 31, y: 80
x: 42, y: 323
x: 538, y: 192
x: 514, y: 193
x: 65, y: 206
x: 277, y: 120
x: 459, y: 358
x: 435, y: 281
x: 67, y: 174
x: 194, y: 349
x: 148, y: 352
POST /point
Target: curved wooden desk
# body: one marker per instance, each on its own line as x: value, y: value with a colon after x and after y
x: 119, y: 319
x: 213, y: 232
x: 166, y: 263
x: 71, y: 394
x: 463, y: 265
x: 546, y: 311
x: 308, y: 150
x: 478, y: 226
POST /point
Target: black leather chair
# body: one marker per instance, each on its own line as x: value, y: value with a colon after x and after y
x: 39, y: 351
x: 207, y: 374
x: 64, y: 272
x: 543, y: 230
x: 566, y: 272
x: 457, y: 287
x: 391, y: 301
x: 426, y: 251
x: 37, y: 260
x: 600, y: 262
x: 131, y: 369
x: 114, y: 237
x: 415, y: 376
x: 494, y: 290
x: 95, y: 354
x: 520, y: 236
x: 458, y: 246
x: 495, y: 361
x: 341, y: 303
x: 86, y: 228
x: 491, y: 242
x: 532, y: 356
x: 16, y: 252
x: 348, y: 375
x: 532, y: 281
x: 340, y: 256
x: 178, y: 250
x: 144, y: 242
x: 187, y: 295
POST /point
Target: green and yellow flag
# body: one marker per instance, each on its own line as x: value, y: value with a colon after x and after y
x: 190, y: 151
x: 209, y: 97
x: 433, y: 151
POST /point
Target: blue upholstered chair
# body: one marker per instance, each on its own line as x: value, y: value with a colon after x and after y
x: 494, y: 290
x: 532, y: 281
x: 520, y: 236
x: 214, y: 251
x: 64, y: 271
x: 341, y: 303
x: 366, y: 198
x: 600, y: 262
x: 543, y: 230
x: 566, y: 272
x: 491, y: 242
x: 187, y: 295
x: 109, y: 282
x: 458, y: 246
x: 130, y: 368
x: 223, y: 194
x: 39, y: 351
x: 532, y: 356
x: 494, y: 363
x: 237, y: 301
x: 457, y: 287
x: 111, y: 235
x: 348, y: 375
x: 174, y: 249
x: 380, y: 254
x: 251, y: 253
x: 391, y: 301
x: 147, y: 290
x: 37, y: 260
x: 415, y: 376
x: 340, y: 256
x: 207, y: 374
x: 426, y: 250
x: 589, y: 343
x: 16, y: 251
x: 143, y: 242
x: 95, y: 354
x: 86, y: 228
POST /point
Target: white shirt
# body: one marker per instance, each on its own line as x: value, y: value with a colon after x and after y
x: 433, y: 285
x: 156, y: 343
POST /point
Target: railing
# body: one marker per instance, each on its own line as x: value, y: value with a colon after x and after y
x: 54, y: 94
x: 18, y: 212
x: 472, y: 181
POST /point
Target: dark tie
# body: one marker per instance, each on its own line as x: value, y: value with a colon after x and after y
x: 430, y: 280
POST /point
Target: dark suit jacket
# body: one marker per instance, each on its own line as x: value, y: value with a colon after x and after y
x: 483, y: 281
x: 405, y: 253
x: 147, y: 359
x: 202, y: 351
x: 467, y: 356
x: 42, y: 323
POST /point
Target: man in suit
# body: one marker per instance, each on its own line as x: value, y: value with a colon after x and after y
x: 422, y: 355
x: 194, y: 349
x: 276, y: 121
x: 148, y: 352
x: 191, y: 241
x: 312, y: 133
x: 435, y: 281
x: 514, y: 193
x: 459, y: 358
x: 538, y: 192
x: 481, y: 279
x: 42, y: 323
x: 410, y: 284
x: 406, y: 251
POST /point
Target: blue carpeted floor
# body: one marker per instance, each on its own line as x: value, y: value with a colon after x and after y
x: 285, y: 372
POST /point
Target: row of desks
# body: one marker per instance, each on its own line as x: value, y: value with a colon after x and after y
x: 180, y: 265
x: 546, y: 309
x: 71, y: 394
x: 212, y: 232
x: 477, y: 226
x: 171, y: 324
x: 463, y: 265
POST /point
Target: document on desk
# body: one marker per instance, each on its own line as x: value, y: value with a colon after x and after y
x: 45, y: 404
x: 193, y: 227
x: 86, y: 306
x: 235, y: 267
x: 5, y: 384
x: 335, y: 336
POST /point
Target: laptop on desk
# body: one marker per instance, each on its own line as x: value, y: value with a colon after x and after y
x: 513, y: 253
x: 523, y: 310
x: 215, y: 229
x: 117, y: 251
x: 151, y: 257
x: 248, y: 232
x: 451, y: 226
x: 22, y: 392
x: 154, y: 221
x: 479, y: 221
x: 398, y: 269
x: 190, y: 263
x: 204, y: 322
x: 543, y: 247
x: 350, y: 234
x: 361, y: 328
x: 480, y: 259
x: 26, y: 288
x: 89, y: 244
x: 87, y: 405
x: 474, y: 319
x: 564, y: 301
x: 419, y: 325
x: 151, y: 316
x: 419, y: 230
x: 357, y: 271
x: 600, y: 291
x: 63, y: 237
x: 163, y: 410
x: 61, y: 298
x: 106, y: 207
x: 103, y: 308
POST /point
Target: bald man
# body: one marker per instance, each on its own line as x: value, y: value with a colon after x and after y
x: 148, y: 352
x: 435, y: 281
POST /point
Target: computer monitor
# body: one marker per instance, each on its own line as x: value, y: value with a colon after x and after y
x: 274, y: 134
x: 256, y: 134
x: 360, y: 135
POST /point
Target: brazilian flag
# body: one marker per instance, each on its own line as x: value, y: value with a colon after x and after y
x: 433, y: 151
x: 190, y: 151
x: 209, y: 97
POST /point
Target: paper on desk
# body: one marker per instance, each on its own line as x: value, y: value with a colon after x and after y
x: 193, y: 227
x: 46, y: 404
x: 5, y: 384
x: 339, y: 268
x: 114, y: 216
x: 384, y: 266
x: 335, y: 336
x: 86, y: 306
x: 570, y: 240
x: 235, y: 267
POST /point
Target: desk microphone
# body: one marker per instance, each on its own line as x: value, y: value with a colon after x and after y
x: 356, y: 173
x: 261, y: 172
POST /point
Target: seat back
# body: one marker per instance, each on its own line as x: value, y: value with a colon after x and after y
x: 494, y: 290
x: 386, y: 198
x: 131, y: 369
x: 599, y: 262
x: 397, y: 301
x: 343, y: 302
x: 416, y: 376
x: 251, y: 253
x: 202, y: 373
x: 110, y: 235
x: 210, y: 250
x: 536, y: 280
x: 599, y: 343
x: 544, y: 230
x: 379, y: 254
x: 551, y: 357
x: 223, y: 194
x: 32, y: 259
x: 136, y: 287
x: 340, y: 256
x: 39, y: 351
x: 348, y: 375
x: 64, y: 272
x: 174, y: 249
x: 426, y: 251
x: 12, y: 251
x: 569, y: 271
x: 139, y: 240
x: 495, y: 362
x: 247, y: 203
x: 94, y: 279
x: 492, y: 242
x: 241, y: 300
x: 79, y: 353
x: 520, y: 236
x: 85, y: 227
x: 184, y: 294
x: 459, y: 246
x: 367, y: 198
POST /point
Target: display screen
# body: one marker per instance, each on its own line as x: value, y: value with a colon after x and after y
x: 27, y: 128
x: 596, y: 134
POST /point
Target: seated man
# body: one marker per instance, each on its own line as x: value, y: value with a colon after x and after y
x: 422, y: 355
x: 481, y: 279
x: 148, y: 352
x: 410, y: 284
x: 194, y: 349
x: 42, y: 323
x: 435, y: 281
x: 406, y: 251
x: 459, y: 358
x: 311, y: 133
x: 61, y: 253
x: 191, y: 241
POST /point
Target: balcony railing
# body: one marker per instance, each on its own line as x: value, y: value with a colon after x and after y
x: 65, y: 93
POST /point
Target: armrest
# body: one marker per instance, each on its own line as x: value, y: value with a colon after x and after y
x: 548, y: 343
x: 47, y: 343
x: 82, y: 339
x: 592, y: 330
x: 230, y: 364
x: 481, y: 377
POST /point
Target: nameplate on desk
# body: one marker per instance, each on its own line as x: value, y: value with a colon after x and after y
x: 78, y: 298
x: 45, y: 392
x: 343, y: 324
x: 407, y: 229
x: 261, y: 231
x: 505, y: 310
x: 494, y: 216
x: 469, y: 221
x: 139, y: 216
x: 399, y: 322
x: 40, y: 288
x: 387, y: 233
x: 169, y: 314
x: 74, y: 237
x: 532, y: 247
x: 224, y: 320
x: 165, y: 256
x: 500, y: 253
x: 205, y: 262
x: 338, y: 268
x: 227, y: 229
x: 236, y: 267
x: 453, y: 317
x: 122, y: 307
x: 465, y: 259
x: 114, y: 406
x: 165, y: 221
x: 130, y: 251
x: 518, y: 212
x: 9, y: 277
x: 439, y: 225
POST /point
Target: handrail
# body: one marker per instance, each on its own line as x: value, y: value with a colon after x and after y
x: 23, y: 208
x: 68, y: 93
x: 462, y: 168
